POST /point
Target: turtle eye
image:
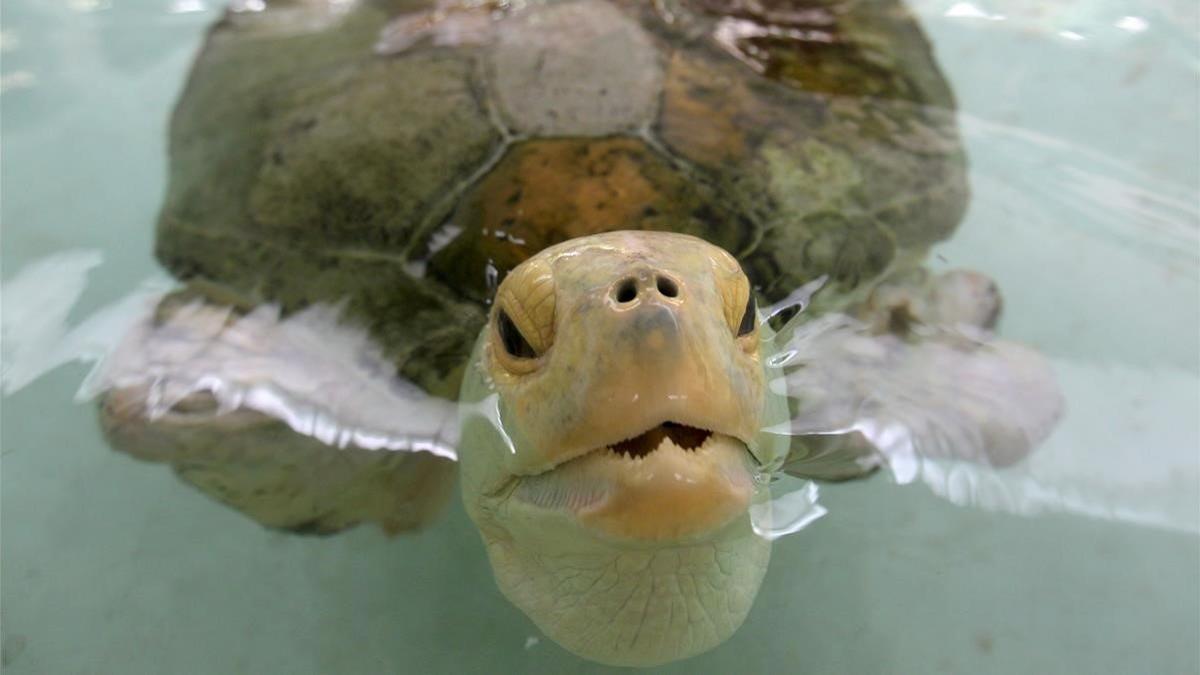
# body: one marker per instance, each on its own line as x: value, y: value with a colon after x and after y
x: 748, y: 318
x: 514, y: 343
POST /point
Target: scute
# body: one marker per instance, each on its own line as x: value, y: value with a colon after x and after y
x: 313, y: 139
x: 844, y: 142
x: 365, y: 153
x: 544, y: 74
x: 871, y: 50
x: 547, y: 191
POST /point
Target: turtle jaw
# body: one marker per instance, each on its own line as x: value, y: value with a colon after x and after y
x: 671, y: 482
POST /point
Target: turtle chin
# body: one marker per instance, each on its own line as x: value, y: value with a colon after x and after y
x: 638, y: 553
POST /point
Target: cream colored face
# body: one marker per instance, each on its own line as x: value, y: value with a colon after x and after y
x: 624, y: 374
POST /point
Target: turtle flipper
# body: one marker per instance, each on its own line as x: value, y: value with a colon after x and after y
x: 258, y: 465
x: 917, y: 377
x: 295, y: 422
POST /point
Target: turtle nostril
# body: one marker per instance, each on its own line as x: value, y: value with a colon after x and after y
x: 627, y: 291
x: 667, y: 287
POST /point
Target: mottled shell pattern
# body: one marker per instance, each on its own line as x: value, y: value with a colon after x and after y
x: 400, y: 157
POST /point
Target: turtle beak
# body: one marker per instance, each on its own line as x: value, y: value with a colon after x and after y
x: 668, y: 483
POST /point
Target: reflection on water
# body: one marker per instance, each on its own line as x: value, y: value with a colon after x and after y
x: 1101, y: 194
x: 322, y: 378
x: 792, y: 508
x: 1093, y: 242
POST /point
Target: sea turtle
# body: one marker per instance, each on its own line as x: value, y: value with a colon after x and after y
x: 565, y: 213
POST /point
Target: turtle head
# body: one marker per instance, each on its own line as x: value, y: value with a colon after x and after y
x: 609, y: 455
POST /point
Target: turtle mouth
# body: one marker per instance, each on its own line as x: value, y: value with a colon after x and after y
x: 668, y: 482
x: 681, y: 435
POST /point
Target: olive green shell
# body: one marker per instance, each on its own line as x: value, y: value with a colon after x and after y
x: 808, y: 138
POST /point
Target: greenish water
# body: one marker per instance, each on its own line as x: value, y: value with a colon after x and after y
x: 1082, y: 129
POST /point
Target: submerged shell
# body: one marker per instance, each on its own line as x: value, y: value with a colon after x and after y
x: 401, y: 156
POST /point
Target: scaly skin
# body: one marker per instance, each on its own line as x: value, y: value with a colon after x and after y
x: 631, y: 560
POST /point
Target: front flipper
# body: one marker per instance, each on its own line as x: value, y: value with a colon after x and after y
x: 863, y: 400
x: 297, y: 422
x: 257, y: 464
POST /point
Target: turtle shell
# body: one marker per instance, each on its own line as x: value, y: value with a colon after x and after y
x: 400, y: 158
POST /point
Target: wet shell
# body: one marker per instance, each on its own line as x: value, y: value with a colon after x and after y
x: 401, y: 157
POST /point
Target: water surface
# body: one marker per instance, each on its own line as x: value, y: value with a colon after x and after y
x: 1081, y: 125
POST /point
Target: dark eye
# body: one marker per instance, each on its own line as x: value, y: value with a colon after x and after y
x: 748, y: 319
x: 514, y: 343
